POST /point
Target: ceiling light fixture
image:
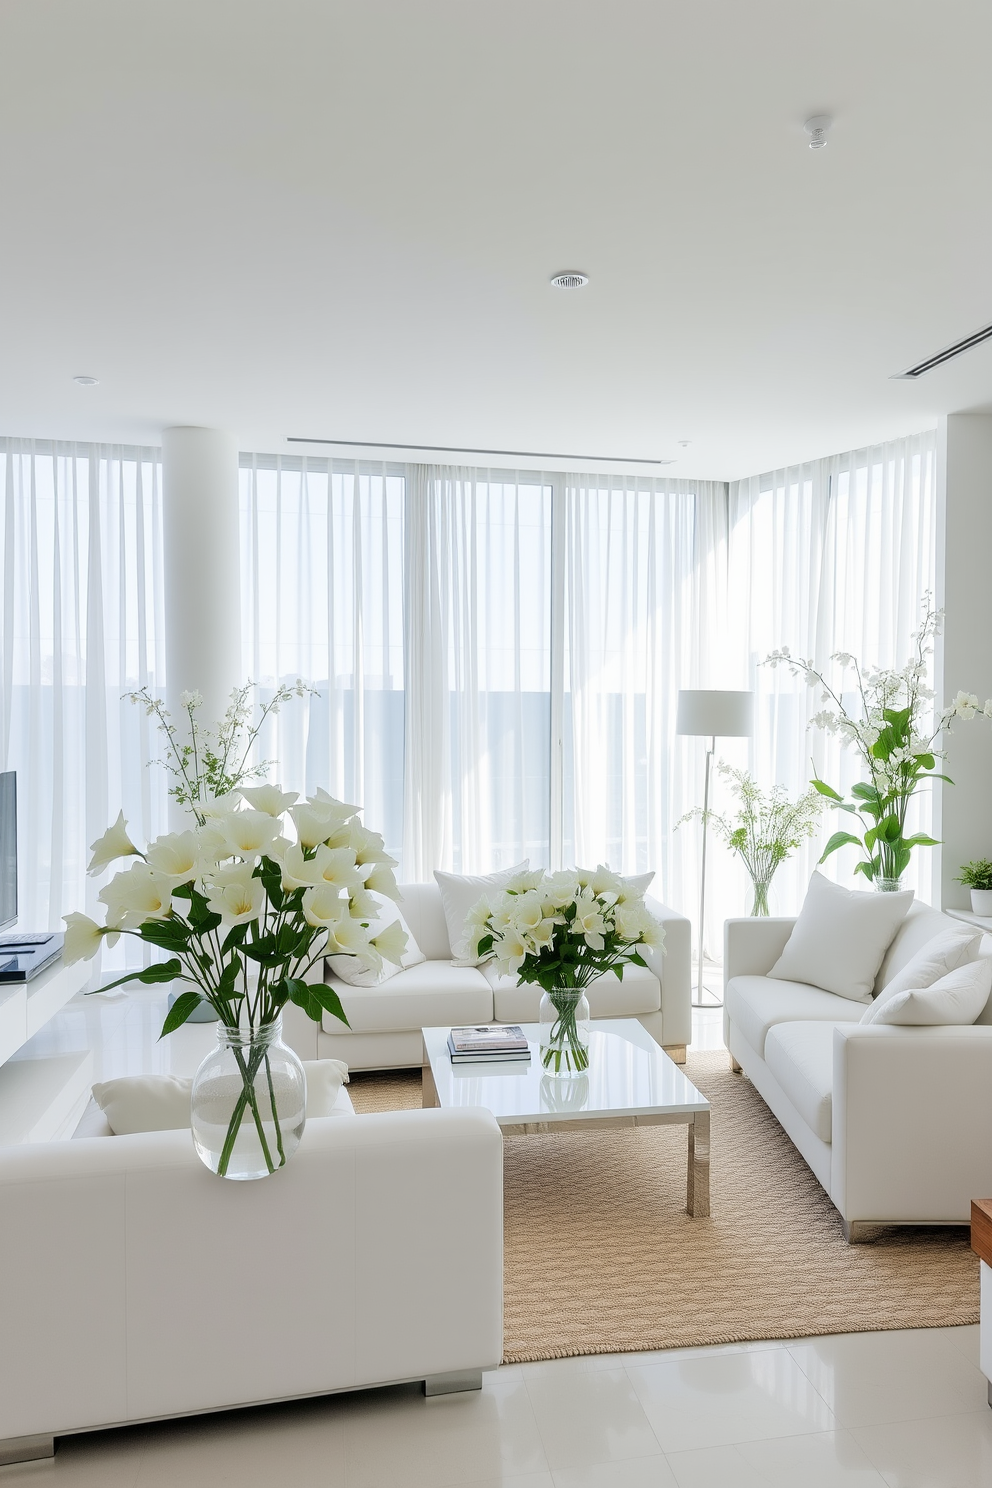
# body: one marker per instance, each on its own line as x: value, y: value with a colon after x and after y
x: 817, y: 129
x: 939, y: 357
x: 569, y: 279
x: 450, y: 449
x: 87, y: 381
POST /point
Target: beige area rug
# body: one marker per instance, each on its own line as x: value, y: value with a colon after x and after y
x: 600, y: 1256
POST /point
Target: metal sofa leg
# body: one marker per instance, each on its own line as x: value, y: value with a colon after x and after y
x: 990, y: 1394
x: 25, y: 1449
x: 451, y: 1384
x: 855, y: 1232
x: 735, y: 1067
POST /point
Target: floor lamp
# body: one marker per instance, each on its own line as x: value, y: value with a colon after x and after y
x: 712, y: 715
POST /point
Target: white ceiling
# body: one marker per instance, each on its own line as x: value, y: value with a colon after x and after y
x: 339, y: 219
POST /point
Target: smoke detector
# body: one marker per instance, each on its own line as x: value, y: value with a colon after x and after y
x: 570, y: 279
x: 817, y: 129
x: 86, y: 381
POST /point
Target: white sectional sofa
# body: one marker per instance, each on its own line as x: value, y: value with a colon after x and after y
x: 386, y: 1020
x: 135, y: 1285
x: 896, y: 1122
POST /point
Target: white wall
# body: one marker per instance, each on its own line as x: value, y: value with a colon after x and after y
x: 963, y: 811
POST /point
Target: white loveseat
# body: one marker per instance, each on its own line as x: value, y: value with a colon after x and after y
x: 896, y: 1122
x: 135, y: 1285
x: 386, y: 1021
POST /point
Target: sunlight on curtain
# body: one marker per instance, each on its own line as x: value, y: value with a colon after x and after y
x: 82, y: 622
x: 479, y: 617
x: 832, y: 556
x: 645, y: 579
x: 322, y: 599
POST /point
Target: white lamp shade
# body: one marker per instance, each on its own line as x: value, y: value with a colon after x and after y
x: 725, y: 715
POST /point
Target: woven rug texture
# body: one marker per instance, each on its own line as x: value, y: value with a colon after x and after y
x: 601, y: 1257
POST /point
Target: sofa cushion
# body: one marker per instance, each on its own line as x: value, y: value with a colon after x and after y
x: 840, y: 938
x: 609, y: 997
x: 461, y: 892
x: 431, y: 995
x: 953, y: 1000
x: 801, y: 1057
x: 354, y: 971
x: 756, y: 1003
x: 951, y: 948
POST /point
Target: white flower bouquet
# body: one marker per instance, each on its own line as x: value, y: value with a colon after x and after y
x: 244, y: 911
x: 562, y: 931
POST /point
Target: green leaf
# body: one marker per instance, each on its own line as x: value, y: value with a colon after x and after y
x: 889, y: 829
x: 185, y: 1004
x: 868, y: 869
x: 316, y: 998
x: 826, y: 790
x: 920, y: 839
x: 925, y: 761
x: 169, y: 935
x: 839, y: 839
x: 161, y: 971
x: 864, y: 791
x: 234, y: 937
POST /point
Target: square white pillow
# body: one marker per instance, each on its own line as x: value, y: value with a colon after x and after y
x: 840, y: 938
x: 143, y: 1103
x: 949, y: 949
x: 351, y: 970
x: 459, y: 893
x: 956, y: 999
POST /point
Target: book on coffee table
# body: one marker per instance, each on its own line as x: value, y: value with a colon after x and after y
x: 487, y: 1043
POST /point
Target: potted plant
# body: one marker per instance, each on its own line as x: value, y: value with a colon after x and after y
x: 895, y: 729
x: 977, y: 876
x: 764, y: 830
x: 561, y: 931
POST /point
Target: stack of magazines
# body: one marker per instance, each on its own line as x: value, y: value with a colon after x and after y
x: 491, y: 1043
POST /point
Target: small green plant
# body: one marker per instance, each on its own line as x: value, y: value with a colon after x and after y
x: 977, y: 874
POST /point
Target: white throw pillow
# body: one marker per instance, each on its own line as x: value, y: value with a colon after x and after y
x: 639, y: 882
x: 840, y: 938
x: 948, y: 950
x: 144, y: 1103
x: 353, y: 971
x: 956, y: 999
x: 459, y: 894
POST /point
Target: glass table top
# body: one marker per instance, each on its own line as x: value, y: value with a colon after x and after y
x: 628, y: 1075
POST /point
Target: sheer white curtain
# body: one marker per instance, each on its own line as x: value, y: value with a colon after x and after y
x: 831, y: 556
x: 81, y: 623
x: 478, y: 647
x: 322, y: 599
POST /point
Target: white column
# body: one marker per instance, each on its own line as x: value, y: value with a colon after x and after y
x: 963, y: 811
x: 202, y: 567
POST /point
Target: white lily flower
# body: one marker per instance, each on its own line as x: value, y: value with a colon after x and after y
x: 527, y: 911
x: 298, y: 872
x: 382, y: 880
x: 314, y: 823
x: 391, y: 942
x: 336, y: 865
x: 510, y: 954
x: 524, y: 881
x: 606, y: 885
x: 82, y: 938
x: 249, y: 833
x: 269, y: 798
x: 135, y: 895
x: 323, y: 906
x: 177, y: 855
x: 368, y: 847
x: 351, y: 938
x: 238, y: 900
x: 218, y: 808
x: 115, y: 843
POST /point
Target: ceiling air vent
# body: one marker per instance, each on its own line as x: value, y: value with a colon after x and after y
x: 570, y: 280
x: 975, y: 339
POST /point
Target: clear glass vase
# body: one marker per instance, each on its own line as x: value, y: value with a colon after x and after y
x: 759, y: 902
x: 888, y: 885
x: 565, y: 1022
x: 248, y: 1103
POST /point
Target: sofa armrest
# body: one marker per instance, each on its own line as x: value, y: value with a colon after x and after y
x: 673, y: 968
x: 751, y: 947
x: 912, y: 1122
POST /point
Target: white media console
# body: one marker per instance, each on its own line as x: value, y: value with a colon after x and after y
x: 39, y: 1097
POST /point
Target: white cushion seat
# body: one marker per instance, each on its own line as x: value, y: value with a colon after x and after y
x: 431, y: 994
x: 801, y: 1057
x: 638, y: 991
x: 755, y: 1004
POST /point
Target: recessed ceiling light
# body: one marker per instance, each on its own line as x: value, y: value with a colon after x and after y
x: 817, y: 128
x: 570, y: 279
x: 684, y: 443
x: 86, y: 381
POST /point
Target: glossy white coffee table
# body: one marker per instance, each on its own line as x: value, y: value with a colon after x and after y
x: 630, y: 1082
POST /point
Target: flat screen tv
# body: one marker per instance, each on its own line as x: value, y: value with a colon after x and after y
x: 8, y: 847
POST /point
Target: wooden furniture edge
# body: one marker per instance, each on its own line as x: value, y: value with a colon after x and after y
x: 981, y: 1229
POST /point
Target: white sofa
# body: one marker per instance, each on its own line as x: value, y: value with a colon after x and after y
x: 896, y: 1123
x: 386, y: 1021
x: 132, y: 1284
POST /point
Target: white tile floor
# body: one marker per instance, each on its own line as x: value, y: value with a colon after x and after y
x: 903, y: 1409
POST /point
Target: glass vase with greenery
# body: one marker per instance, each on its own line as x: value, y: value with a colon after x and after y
x: 764, y: 830
x: 889, y: 718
